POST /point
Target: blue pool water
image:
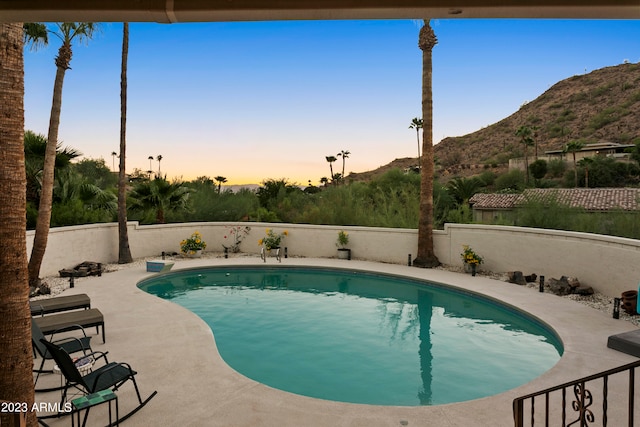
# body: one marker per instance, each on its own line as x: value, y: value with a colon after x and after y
x: 361, y: 337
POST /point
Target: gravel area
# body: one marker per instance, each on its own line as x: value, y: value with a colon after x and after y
x: 596, y: 301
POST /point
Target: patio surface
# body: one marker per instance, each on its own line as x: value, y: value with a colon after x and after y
x: 175, y: 353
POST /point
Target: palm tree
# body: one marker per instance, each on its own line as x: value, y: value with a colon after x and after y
x: 124, y: 251
x: 221, y: 180
x: 35, y: 148
x: 150, y: 165
x: 462, y: 189
x: 426, y: 256
x: 525, y: 133
x: 572, y: 147
x: 345, y: 155
x: 159, y: 158
x: 331, y: 159
x: 67, y: 32
x: 416, y: 124
x: 16, y: 380
x: 113, y: 160
x: 324, y: 180
x: 159, y: 197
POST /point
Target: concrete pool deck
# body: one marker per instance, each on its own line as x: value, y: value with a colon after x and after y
x: 174, y: 353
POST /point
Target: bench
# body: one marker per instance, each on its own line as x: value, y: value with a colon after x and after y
x: 57, y: 304
x: 70, y: 320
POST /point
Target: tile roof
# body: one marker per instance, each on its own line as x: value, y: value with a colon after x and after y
x: 593, y: 199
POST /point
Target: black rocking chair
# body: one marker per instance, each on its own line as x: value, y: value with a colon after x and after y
x: 69, y: 344
x: 110, y: 376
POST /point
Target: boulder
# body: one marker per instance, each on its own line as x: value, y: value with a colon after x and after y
x: 559, y: 286
x: 516, y: 277
x: 86, y: 268
x: 583, y: 290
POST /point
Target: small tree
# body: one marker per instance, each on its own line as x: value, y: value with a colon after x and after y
x: 416, y: 124
x: 572, y: 147
x: 345, y: 155
x: 221, y: 180
x: 538, y: 170
x: 526, y: 138
x: 331, y: 159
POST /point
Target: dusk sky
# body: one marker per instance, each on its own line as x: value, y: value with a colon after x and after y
x: 257, y: 100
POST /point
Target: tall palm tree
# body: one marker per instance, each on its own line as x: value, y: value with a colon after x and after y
x: 416, y: 123
x: 345, y: 155
x: 426, y: 256
x: 16, y: 380
x: 67, y: 32
x: 221, y: 180
x: 124, y: 251
x: 113, y: 160
x: 572, y: 147
x: 159, y: 159
x: 331, y: 159
x: 150, y: 165
x: 526, y: 138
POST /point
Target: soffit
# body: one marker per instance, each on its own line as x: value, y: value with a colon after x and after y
x: 266, y: 10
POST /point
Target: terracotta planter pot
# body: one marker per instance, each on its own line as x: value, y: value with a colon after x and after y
x: 630, y: 302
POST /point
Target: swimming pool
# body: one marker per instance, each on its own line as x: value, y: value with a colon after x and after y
x: 360, y: 337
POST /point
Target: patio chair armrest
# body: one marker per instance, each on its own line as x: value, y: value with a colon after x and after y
x: 67, y: 329
x: 109, y: 368
x: 70, y: 339
x: 97, y: 355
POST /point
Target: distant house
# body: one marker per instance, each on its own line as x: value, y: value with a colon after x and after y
x: 602, y: 149
x: 487, y: 207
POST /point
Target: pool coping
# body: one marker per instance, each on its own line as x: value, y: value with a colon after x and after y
x: 139, y: 325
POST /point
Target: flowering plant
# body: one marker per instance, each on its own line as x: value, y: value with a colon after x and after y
x: 272, y: 240
x: 469, y: 256
x: 343, y: 239
x: 235, y: 235
x: 192, y: 244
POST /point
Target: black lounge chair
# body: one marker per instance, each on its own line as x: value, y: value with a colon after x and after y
x: 110, y: 376
x: 57, y: 304
x: 70, y: 344
x: 70, y: 320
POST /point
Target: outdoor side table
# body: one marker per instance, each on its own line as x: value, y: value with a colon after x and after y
x: 90, y: 400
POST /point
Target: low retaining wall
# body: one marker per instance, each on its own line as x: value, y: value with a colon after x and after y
x: 610, y: 265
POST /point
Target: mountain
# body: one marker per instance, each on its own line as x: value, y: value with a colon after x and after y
x: 601, y: 106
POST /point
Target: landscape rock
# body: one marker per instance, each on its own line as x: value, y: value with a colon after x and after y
x: 516, y: 277
x: 86, y: 268
x: 568, y: 285
x: 583, y: 290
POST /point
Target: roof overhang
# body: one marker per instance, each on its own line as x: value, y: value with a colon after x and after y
x: 169, y: 11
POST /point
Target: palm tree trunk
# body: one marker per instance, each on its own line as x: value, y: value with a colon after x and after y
x: 418, y: 138
x: 124, y: 251
x: 426, y: 257
x: 16, y: 363
x: 46, y: 197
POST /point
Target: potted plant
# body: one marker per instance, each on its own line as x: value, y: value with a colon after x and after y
x: 342, y: 242
x: 470, y: 259
x: 272, y: 240
x: 193, y: 245
x: 233, y: 238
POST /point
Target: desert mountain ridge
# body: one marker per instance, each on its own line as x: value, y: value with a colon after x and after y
x: 601, y: 106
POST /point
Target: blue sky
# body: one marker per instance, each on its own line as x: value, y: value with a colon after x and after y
x: 257, y: 100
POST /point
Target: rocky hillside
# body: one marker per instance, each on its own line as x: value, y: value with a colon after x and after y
x: 603, y: 105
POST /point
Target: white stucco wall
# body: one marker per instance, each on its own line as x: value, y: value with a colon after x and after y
x: 610, y: 265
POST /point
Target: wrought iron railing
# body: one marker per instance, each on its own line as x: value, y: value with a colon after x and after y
x: 599, y: 399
